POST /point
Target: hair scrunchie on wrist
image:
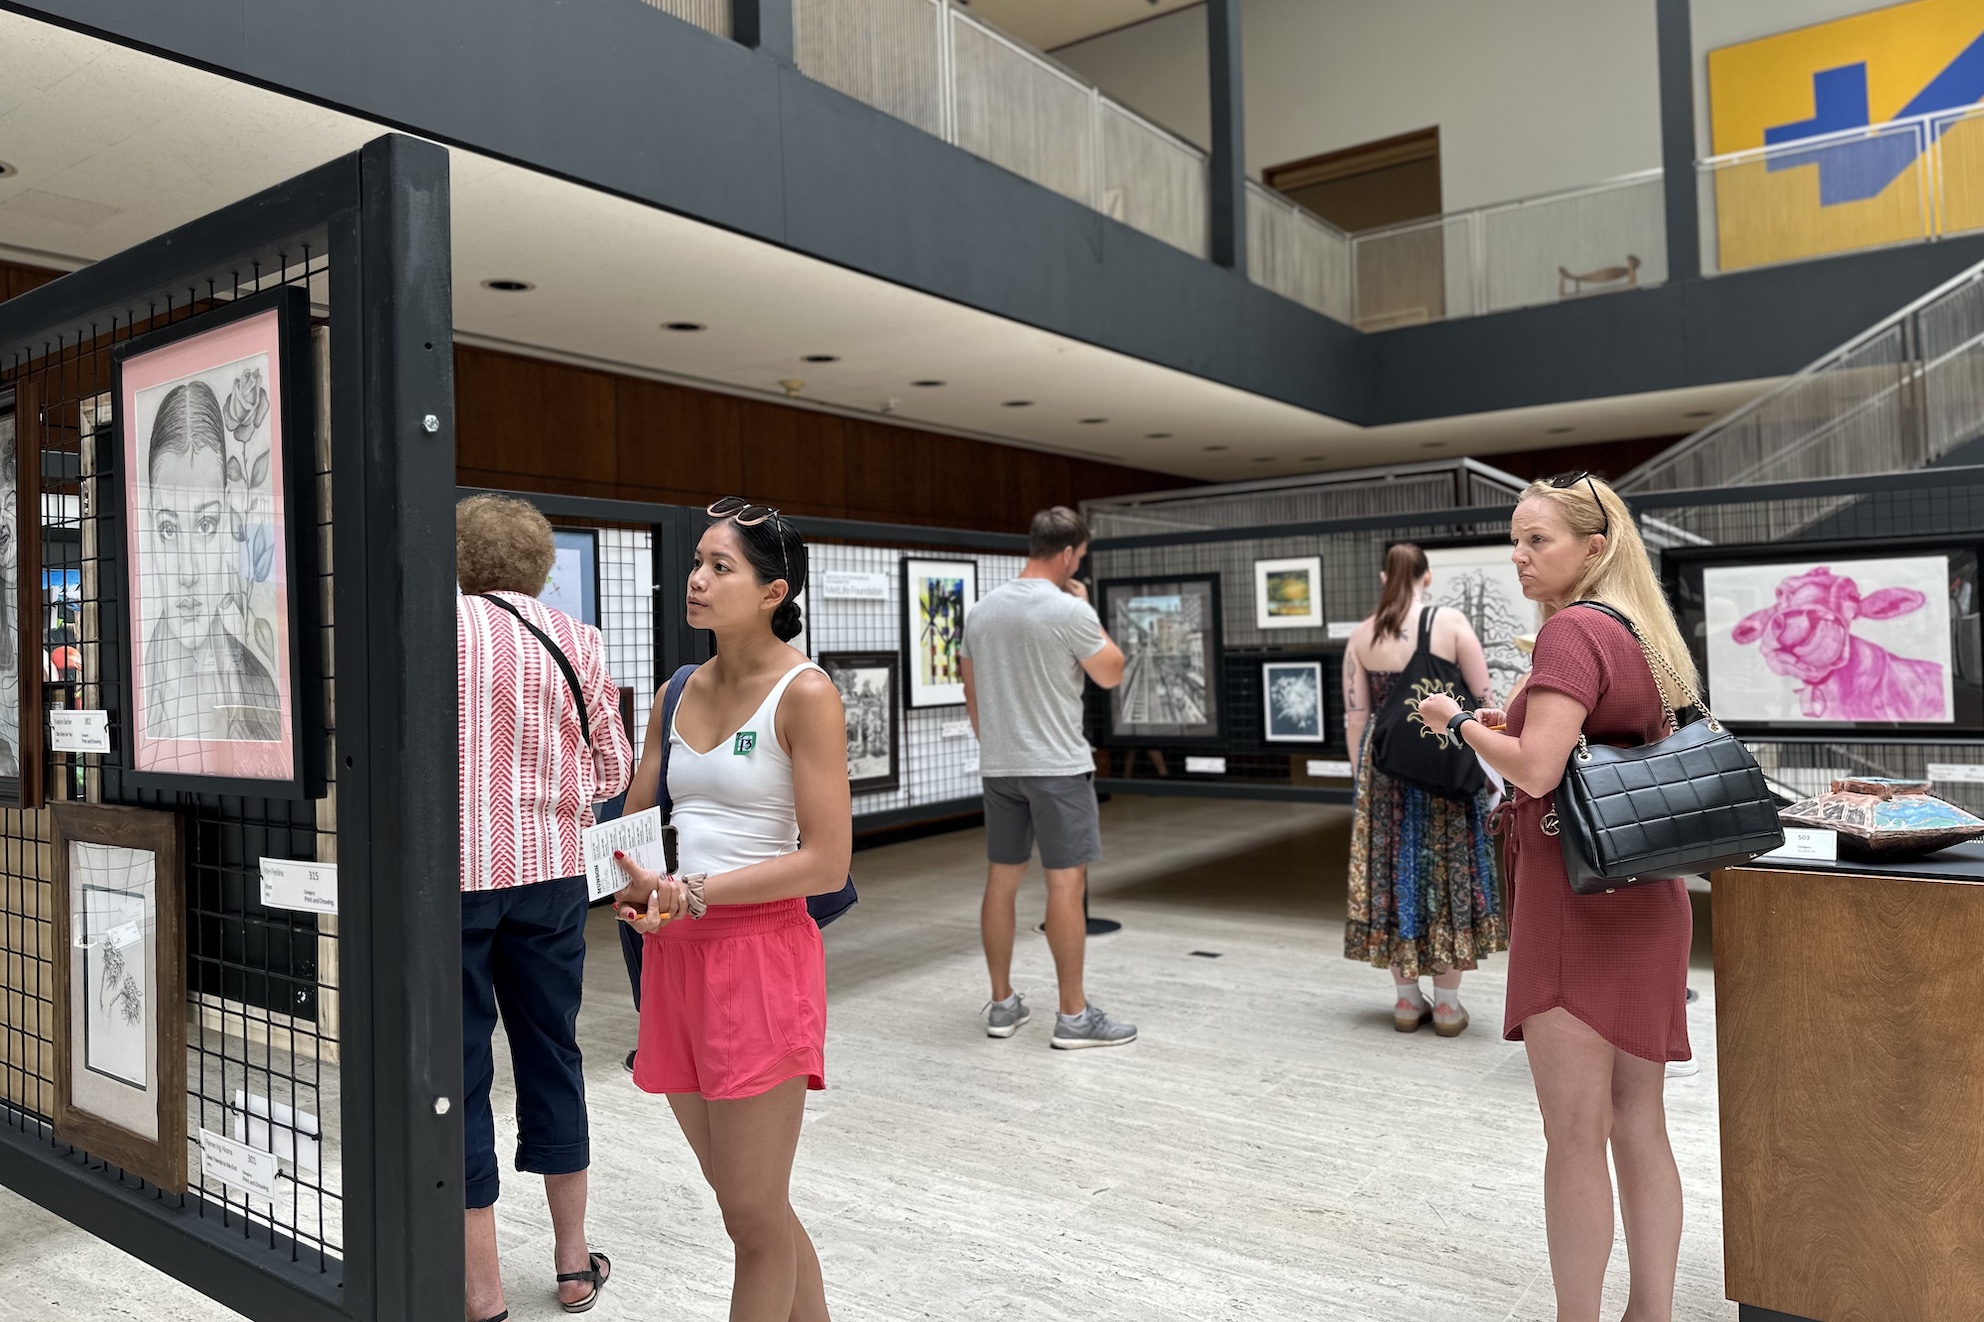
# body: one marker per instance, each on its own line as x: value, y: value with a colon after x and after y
x: 693, y: 883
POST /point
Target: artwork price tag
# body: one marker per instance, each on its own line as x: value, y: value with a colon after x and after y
x: 638, y: 837
x: 79, y: 731
x: 847, y: 585
x: 1340, y: 630
x: 1323, y: 767
x: 1206, y: 766
x: 957, y: 729
x: 304, y: 887
x: 1957, y: 773
x: 237, y: 1165
x: 1808, y: 844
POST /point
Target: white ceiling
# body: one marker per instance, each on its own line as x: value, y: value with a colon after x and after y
x: 1050, y: 23
x: 112, y: 147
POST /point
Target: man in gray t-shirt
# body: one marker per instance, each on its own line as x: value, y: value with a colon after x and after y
x: 1027, y: 647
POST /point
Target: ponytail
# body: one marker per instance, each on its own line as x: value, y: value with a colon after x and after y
x: 1405, y: 565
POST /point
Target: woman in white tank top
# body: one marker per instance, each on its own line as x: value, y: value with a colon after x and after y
x: 733, y: 976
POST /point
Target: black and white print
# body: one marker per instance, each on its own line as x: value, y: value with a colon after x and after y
x: 1169, y: 633
x: 869, y: 687
x: 1292, y: 700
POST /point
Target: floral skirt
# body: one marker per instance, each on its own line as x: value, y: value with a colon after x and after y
x: 1423, y: 893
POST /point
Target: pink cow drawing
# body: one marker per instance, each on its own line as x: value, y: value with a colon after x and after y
x: 1808, y: 635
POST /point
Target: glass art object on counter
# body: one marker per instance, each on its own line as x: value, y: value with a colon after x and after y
x: 1877, y: 817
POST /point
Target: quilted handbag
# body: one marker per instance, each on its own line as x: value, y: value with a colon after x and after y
x: 1689, y: 803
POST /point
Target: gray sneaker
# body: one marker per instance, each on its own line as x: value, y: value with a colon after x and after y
x: 1091, y: 1028
x: 1003, y: 1018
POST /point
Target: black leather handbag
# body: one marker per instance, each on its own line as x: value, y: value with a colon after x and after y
x: 1690, y: 803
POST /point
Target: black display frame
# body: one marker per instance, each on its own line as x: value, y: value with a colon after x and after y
x: 891, y: 662
x: 1321, y: 660
x: 1215, y: 674
x: 1681, y: 580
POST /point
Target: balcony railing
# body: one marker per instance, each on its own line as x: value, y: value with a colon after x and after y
x: 1297, y: 254
x: 1906, y: 181
x: 709, y: 15
x: 965, y: 82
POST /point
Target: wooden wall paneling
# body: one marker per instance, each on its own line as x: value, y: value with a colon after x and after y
x: 526, y: 416
x: 16, y: 279
x: 1046, y: 479
x: 795, y: 459
x: 890, y: 473
x: 673, y: 439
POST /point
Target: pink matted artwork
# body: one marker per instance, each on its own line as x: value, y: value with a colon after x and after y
x: 1857, y: 640
x: 209, y: 604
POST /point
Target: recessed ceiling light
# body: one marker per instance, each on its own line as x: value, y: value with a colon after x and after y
x: 1698, y: 413
x: 821, y: 358
x: 683, y: 325
x: 1314, y: 458
x: 1210, y: 448
x: 1157, y: 435
x: 1432, y: 445
x: 508, y: 286
x: 1018, y: 404
x: 926, y: 384
x: 6, y: 169
x: 1093, y: 422
x: 1264, y: 459
x: 1560, y: 431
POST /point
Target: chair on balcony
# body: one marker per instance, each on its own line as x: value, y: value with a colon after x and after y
x: 1603, y: 280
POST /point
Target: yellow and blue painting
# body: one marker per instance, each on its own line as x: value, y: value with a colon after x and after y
x: 1835, y: 84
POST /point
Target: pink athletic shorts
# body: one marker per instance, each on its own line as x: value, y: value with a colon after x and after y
x: 733, y: 1003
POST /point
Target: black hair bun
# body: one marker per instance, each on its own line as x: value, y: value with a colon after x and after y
x: 786, y: 621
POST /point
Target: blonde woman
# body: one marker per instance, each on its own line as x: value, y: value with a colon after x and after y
x: 1597, y: 984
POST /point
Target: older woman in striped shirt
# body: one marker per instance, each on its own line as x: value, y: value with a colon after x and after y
x: 541, y: 742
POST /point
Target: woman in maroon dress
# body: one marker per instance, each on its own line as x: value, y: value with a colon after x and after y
x: 1598, y: 983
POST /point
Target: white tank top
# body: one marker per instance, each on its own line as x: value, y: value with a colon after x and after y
x: 733, y: 804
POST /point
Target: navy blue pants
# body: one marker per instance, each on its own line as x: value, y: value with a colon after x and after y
x: 524, y: 952
x: 631, y: 950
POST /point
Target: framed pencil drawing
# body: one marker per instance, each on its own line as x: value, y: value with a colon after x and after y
x: 871, y: 695
x: 936, y: 597
x: 216, y: 454
x: 120, y: 987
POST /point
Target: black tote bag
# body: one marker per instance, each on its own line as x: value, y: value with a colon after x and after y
x: 1405, y: 747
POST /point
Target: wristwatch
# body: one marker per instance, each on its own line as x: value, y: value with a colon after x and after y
x: 1453, y: 725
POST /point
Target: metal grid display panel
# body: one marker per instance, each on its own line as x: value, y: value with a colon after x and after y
x: 262, y: 1011
x: 936, y: 767
x: 1250, y: 758
x: 626, y: 616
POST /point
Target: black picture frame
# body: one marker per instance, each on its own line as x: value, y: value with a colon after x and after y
x: 1133, y: 693
x: 299, y: 550
x: 1274, y: 742
x: 949, y: 694
x: 586, y: 542
x: 842, y: 664
x: 1682, y: 578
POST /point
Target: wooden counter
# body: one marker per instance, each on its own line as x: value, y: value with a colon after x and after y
x: 1850, y: 1042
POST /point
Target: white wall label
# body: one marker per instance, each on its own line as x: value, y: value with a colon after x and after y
x: 1957, y: 773
x: 1340, y: 630
x: 79, y: 731
x: 1206, y: 766
x: 1322, y: 767
x: 304, y: 887
x: 268, y: 1126
x: 957, y: 729
x: 237, y: 1165
x: 1806, y: 843
x: 847, y: 585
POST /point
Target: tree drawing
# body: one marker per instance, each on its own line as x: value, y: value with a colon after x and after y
x: 1474, y: 593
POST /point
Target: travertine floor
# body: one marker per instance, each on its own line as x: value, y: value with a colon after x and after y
x: 1270, y: 1149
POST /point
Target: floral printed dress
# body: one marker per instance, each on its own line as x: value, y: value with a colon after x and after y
x: 1422, y: 876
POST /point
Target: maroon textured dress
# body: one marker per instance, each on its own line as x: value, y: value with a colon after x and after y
x: 1618, y: 962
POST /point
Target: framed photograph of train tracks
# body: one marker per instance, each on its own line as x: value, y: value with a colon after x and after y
x: 1169, y: 632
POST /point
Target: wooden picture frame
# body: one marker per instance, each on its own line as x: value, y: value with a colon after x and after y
x: 849, y: 672
x: 113, y: 869
x: 223, y: 690
x: 21, y: 609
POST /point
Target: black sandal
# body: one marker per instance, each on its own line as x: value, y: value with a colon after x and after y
x: 503, y: 1316
x: 600, y: 1272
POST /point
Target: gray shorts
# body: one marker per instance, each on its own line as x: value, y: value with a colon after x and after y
x: 1059, y: 810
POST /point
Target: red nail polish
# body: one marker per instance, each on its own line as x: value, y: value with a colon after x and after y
x: 618, y: 854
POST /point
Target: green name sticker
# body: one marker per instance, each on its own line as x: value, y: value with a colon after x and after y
x: 747, y: 743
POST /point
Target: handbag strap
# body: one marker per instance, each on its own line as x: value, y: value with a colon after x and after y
x: 671, y: 698
x: 1426, y: 614
x: 557, y: 654
x: 1656, y: 663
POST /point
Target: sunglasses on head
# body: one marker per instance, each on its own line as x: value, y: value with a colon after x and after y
x: 744, y: 514
x: 1565, y: 481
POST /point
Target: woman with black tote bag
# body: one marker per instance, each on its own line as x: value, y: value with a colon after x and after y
x: 1422, y: 880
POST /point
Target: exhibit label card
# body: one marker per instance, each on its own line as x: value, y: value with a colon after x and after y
x: 1324, y: 767
x: 237, y: 1165
x: 1957, y: 773
x: 957, y: 730
x: 1207, y: 766
x: 79, y: 731
x: 1340, y: 630
x: 304, y: 887
x: 847, y: 585
x: 638, y: 837
x: 1808, y: 844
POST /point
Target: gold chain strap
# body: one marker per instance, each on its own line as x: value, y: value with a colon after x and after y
x: 1656, y: 663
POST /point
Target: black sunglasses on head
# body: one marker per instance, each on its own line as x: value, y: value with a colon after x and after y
x: 746, y: 515
x: 1565, y: 481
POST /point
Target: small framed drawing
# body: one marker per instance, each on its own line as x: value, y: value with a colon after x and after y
x: 870, y: 694
x: 21, y: 722
x: 1292, y: 702
x: 216, y: 451
x: 574, y: 583
x: 1288, y: 594
x: 936, y: 597
x: 120, y: 988
x: 1169, y: 632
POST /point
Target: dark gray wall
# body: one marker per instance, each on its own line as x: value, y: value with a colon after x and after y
x: 616, y: 95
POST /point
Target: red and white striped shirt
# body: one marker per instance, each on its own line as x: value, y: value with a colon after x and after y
x: 528, y: 784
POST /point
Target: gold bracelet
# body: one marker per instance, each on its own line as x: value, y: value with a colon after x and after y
x: 694, y: 883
